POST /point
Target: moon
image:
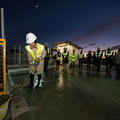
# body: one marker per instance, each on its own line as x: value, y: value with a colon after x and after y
x: 36, y: 6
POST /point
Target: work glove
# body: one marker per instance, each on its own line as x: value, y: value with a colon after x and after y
x: 37, y: 60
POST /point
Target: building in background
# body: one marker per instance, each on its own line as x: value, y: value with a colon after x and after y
x: 67, y: 44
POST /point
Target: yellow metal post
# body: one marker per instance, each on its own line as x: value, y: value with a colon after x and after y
x: 3, y: 44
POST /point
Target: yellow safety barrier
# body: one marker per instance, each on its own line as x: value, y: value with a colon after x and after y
x: 4, y: 99
x: 2, y: 66
x: 4, y: 106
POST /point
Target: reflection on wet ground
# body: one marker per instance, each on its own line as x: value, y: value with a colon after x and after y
x: 60, y: 83
x: 73, y: 95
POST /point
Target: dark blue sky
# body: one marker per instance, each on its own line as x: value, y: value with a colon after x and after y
x: 90, y: 23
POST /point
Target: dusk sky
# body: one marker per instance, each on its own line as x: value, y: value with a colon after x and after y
x: 88, y: 23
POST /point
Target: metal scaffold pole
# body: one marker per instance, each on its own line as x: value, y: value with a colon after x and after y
x: 2, y: 23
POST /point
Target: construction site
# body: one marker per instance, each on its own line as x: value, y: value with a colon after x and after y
x: 76, y: 79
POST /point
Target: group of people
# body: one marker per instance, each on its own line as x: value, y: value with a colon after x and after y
x: 65, y: 55
x: 66, y: 58
x: 92, y: 60
x: 39, y: 55
x: 109, y: 59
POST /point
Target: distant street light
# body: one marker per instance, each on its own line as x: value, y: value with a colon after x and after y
x: 2, y: 23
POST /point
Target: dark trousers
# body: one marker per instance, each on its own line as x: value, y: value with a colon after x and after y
x: 118, y: 71
x: 32, y: 80
x: 109, y: 64
x: 46, y: 60
x: 98, y: 66
x: 88, y: 64
x: 57, y: 65
x: 118, y: 68
x: 72, y: 64
x: 80, y: 62
x: 39, y: 78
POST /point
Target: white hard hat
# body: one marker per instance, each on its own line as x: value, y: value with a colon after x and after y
x: 30, y: 38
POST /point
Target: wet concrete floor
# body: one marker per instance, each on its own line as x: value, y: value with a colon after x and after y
x: 73, y: 95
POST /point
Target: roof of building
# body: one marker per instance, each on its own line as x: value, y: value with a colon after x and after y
x: 69, y: 42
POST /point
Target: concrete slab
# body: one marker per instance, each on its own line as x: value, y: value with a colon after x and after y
x: 78, y: 94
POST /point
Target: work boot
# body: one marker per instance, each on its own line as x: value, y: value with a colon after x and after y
x: 39, y: 82
x: 31, y: 81
x: 40, y: 85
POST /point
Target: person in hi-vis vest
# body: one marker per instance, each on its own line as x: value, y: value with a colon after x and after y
x: 99, y: 55
x: 81, y: 58
x: 108, y: 60
x: 47, y: 58
x: 58, y: 58
x: 36, y: 54
x: 65, y: 56
x: 73, y: 59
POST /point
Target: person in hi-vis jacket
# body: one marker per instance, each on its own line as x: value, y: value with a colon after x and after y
x: 36, y: 54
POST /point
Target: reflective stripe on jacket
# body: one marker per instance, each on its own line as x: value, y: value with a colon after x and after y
x: 48, y: 51
x: 81, y: 55
x: 65, y: 54
x: 58, y: 57
x: 73, y: 57
x: 98, y: 54
x: 108, y: 54
x: 40, y: 48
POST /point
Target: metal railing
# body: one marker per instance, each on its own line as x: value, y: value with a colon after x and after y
x: 17, y: 58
